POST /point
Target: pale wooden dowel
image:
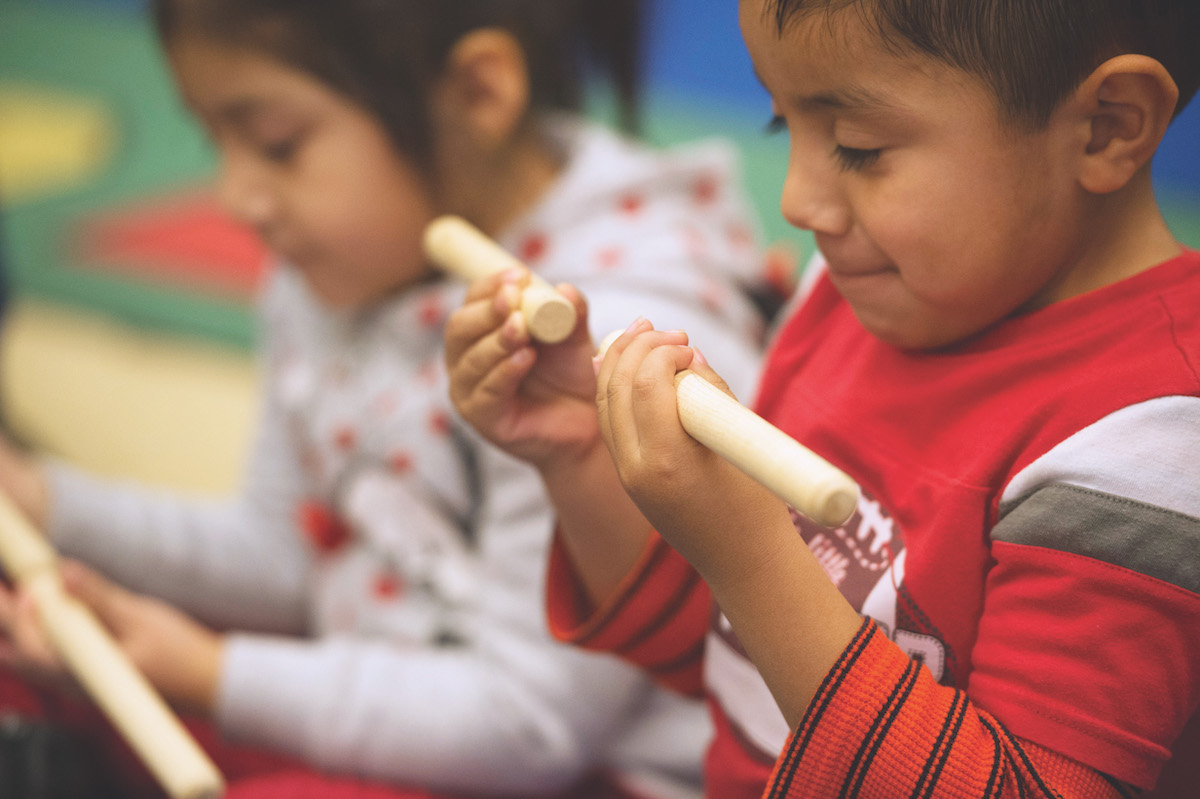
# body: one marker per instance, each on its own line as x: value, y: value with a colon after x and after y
x: 461, y: 249
x: 796, y: 474
x: 129, y: 701
x: 793, y: 472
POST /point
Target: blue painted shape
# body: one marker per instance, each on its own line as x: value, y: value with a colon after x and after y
x: 695, y: 50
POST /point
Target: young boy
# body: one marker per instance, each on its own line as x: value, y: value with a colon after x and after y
x: 1004, y: 351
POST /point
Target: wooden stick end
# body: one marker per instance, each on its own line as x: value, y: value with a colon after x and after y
x: 551, y: 322
x: 838, y: 505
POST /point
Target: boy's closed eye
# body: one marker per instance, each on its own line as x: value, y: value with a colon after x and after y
x: 853, y: 159
x: 849, y: 159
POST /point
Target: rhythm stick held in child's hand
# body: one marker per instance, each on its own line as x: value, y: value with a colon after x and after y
x: 461, y: 249
x: 800, y: 477
x: 135, y: 709
x: 794, y: 473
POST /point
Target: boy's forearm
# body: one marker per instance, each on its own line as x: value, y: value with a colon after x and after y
x: 602, y: 530
x: 792, y: 621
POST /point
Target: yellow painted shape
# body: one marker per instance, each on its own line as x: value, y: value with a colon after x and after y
x: 50, y: 141
x: 161, y: 409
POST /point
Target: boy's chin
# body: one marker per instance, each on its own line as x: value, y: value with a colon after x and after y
x: 909, y: 334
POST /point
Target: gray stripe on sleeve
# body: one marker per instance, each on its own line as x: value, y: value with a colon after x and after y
x: 1158, y: 543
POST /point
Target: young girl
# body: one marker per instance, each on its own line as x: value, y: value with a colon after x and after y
x: 379, y: 579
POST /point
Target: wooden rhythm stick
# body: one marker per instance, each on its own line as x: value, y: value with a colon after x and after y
x: 461, y: 249
x: 796, y: 474
x: 128, y: 700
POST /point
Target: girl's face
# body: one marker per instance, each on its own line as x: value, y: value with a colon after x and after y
x: 314, y: 174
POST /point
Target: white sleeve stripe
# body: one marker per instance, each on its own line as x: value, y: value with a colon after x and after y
x: 1145, y: 452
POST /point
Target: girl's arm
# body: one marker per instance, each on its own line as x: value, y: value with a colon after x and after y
x: 493, y: 705
x: 232, y: 561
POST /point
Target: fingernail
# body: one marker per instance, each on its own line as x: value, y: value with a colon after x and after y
x: 513, y: 325
x: 634, y: 324
x: 523, y: 357
x: 698, y: 356
x: 507, y: 298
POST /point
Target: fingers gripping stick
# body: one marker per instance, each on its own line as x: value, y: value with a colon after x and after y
x: 104, y: 671
x: 461, y: 249
x: 796, y: 474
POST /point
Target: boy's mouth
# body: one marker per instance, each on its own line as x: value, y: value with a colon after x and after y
x: 849, y: 271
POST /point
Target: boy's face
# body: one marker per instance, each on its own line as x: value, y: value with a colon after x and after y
x: 936, y: 219
x: 315, y: 176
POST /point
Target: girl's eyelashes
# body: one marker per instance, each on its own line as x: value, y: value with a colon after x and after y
x: 280, y: 151
x: 851, y: 159
x: 777, y: 124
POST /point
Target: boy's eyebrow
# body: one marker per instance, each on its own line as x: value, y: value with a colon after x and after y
x: 854, y: 97
x: 849, y: 98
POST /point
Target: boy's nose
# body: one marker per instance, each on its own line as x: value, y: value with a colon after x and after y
x: 812, y: 200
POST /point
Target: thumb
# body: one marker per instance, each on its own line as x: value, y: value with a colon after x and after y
x: 580, y: 333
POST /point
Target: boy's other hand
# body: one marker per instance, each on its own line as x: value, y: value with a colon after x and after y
x: 534, y: 401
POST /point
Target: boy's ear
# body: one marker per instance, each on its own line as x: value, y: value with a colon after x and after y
x: 483, y: 93
x: 1128, y: 102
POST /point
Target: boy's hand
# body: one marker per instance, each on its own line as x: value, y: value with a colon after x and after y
x: 536, y: 402
x: 177, y: 655
x: 702, y: 505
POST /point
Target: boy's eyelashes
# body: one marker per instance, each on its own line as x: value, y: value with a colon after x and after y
x: 851, y: 159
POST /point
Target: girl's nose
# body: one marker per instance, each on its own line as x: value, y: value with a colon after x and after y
x: 244, y: 193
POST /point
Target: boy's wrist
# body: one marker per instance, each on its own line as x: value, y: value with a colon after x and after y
x: 602, y: 530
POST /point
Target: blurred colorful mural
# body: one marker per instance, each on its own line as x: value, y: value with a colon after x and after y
x: 106, y: 211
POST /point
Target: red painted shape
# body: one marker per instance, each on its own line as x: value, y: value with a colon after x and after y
x: 181, y: 239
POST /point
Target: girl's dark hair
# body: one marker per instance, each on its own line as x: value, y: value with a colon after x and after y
x: 386, y: 54
x: 1033, y: 53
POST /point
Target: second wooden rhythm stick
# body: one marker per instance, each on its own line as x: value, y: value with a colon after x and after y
x: 796, y: 474
x: 124, y: 695
x: 460, y: 248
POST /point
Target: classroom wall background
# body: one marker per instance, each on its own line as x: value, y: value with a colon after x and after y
x: 126, y: 344
x: 103, y: 197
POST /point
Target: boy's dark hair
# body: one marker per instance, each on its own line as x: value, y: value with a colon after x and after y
x: 385, y: 54
x: 1033, y: 53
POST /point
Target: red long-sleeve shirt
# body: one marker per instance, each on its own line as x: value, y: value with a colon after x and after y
x: 1027, y: 541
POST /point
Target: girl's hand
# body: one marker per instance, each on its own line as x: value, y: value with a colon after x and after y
x: 534, y: 401
x: 178, y: 656
x: 706, y: 508
x: 24, y: 481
